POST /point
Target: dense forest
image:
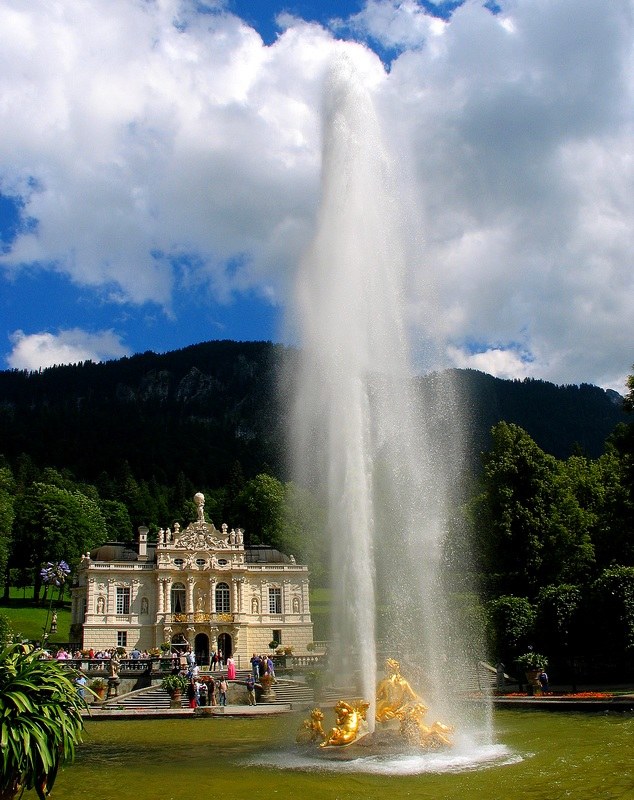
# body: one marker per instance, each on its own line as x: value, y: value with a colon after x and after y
x: 89, y: 452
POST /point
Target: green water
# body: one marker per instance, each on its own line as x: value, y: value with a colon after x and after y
x: 544, y: 756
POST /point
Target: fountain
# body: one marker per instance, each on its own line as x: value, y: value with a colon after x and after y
x: 361, y: 438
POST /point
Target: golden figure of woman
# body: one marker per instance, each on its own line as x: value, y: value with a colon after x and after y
x: 393, y: 693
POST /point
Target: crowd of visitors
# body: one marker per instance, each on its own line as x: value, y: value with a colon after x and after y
x: 210, y: 689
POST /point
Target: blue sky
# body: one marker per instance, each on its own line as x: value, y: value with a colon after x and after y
x: 160, y: 174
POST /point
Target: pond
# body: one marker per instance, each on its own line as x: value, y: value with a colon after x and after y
x: 538, y: 756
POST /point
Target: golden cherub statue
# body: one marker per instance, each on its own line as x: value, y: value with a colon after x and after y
x: 350, y: 724
x: 311, y: 729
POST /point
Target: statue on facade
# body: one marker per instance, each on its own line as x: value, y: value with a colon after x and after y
x: 199, y: 499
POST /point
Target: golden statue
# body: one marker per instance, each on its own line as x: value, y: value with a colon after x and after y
x: 393, y: 694
x: 395, y: 699
x: 396, y: 702
x: 351, y: 724
x: 416, y: 732
x: 311, y: 729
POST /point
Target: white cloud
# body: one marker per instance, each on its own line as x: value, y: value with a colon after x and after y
x: 40, y: 350
x: 134, y: 141
x: 504, y: 363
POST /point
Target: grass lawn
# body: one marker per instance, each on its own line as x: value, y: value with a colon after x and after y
x: 320, y: 612
x: 28, y: 619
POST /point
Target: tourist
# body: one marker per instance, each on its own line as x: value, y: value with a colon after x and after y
x: 214, y: 660
x: 251, y: 690
x: 202, y: 694
x: 191, y: 694
x: 135, y: 654
x: 231, y: 669
x: 80, y: 682
x: 543, y: 681
x: 255, y: 666
x: 222, y: 692
x: 211, y: 689
x: 270, y: 668
x: 220, y: 659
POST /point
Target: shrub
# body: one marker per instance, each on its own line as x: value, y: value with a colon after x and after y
x: 532, y: 661
x: 173, y: 683
x: 511, y: 622
x: 40, y: 720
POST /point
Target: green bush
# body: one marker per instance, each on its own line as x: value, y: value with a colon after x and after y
x: 511, y: 624
x: 173, y: 683
x: 40, y: 720
x: 531, y: 661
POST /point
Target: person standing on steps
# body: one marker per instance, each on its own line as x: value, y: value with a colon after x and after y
x: 251, y: 690
x: 222, y: 692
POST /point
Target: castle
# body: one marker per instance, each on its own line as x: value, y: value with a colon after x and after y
x: 197, y: 588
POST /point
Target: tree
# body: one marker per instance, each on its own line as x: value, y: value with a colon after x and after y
x: 559, y: 618
x: 116, y: 519
x: 613, y: 607
x: 530, y: 528
x: 40, y: 721
x: 261, y: 510
x: 54, y: 524
x: 7, y: 514
x: 511, y: 623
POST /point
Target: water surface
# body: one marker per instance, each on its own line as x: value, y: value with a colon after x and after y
x: 540, y: 756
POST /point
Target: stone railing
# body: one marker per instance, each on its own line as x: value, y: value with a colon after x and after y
x: 197, y: 616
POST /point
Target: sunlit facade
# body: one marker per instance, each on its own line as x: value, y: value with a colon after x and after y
x: 197, y: 587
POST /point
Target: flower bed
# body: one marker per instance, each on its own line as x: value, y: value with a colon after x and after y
x: 565, y: 695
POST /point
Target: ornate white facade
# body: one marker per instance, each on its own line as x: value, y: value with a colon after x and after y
x: 197, y: 587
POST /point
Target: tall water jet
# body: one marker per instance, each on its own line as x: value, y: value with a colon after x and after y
x: 385, y: 464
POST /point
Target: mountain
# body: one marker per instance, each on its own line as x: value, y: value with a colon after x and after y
x: 198, y: 410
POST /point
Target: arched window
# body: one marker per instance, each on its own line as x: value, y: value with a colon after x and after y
x: 178, y: 598
x: 222, y: 598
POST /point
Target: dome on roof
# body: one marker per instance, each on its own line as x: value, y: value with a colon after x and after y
x: 266, y: 555
x: 113, y: 552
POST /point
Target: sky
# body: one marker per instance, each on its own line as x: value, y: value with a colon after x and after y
x: 160, y: 174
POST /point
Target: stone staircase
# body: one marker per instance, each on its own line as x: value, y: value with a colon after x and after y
x: 153, y: 698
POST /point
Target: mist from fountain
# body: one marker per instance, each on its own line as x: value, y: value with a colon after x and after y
x: 387, y: 466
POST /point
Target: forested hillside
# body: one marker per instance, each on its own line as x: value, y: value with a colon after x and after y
x: 198, y: 410
x: 544, y: 524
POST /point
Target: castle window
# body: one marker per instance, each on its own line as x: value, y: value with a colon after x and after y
x: 178, y: 562
x: 122, y: 638
x: 123, y: 600
x: 275, y: 601
x: 178, y: 598
x: 222, y: 598
x: 200, y: 562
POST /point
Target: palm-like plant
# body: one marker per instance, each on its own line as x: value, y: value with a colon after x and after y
x: 40, y: 720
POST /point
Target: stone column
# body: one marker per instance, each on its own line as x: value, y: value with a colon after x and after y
x: 168, y: 590
x: 212, y: 592
x: 305, y: 598
x: 190, y: 595
x: 286, y: 597
x: 111, y: 597
x: 160, y: 587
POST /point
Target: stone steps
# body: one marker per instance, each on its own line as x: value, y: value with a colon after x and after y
x: 155, y: 699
